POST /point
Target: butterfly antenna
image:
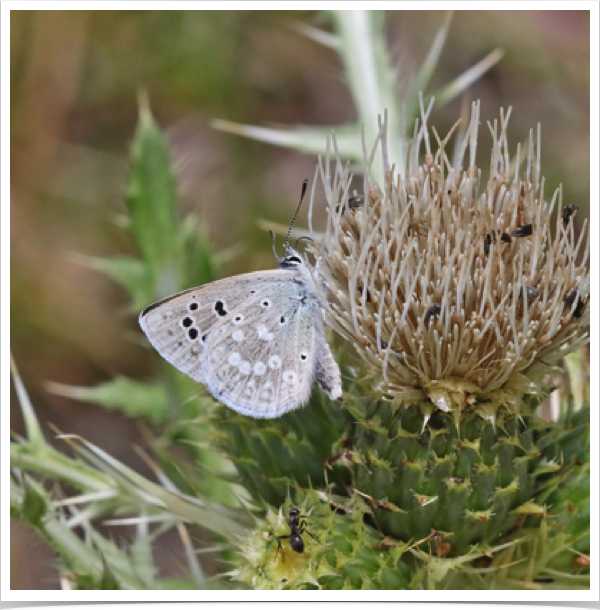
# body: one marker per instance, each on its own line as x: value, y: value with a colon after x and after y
x: 287, y: 237
x: 273, y: 244
x: 301, y: 238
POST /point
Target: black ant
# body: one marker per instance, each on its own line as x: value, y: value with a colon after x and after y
x: 567, y: 212
x: 297, y: 523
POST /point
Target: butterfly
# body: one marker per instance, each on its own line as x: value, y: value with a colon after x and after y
x: 256, y: 341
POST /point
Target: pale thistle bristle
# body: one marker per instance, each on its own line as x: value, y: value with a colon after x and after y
x: 440, y: 282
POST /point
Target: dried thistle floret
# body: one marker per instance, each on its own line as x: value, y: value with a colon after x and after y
x: 459, y: 294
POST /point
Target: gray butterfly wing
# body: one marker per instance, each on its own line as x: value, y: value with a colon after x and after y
x: 260, y: 360
x: 178, y: 326
x: 327, y: 371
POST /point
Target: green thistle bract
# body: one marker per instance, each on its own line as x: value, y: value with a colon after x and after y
x: 459, y: 298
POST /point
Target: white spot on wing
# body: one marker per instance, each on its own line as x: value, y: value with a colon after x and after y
x: 234, y: 359
x: 289, y: 377
x: 263, y: 333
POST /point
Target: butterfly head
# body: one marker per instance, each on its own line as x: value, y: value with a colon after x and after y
x: 291, y: 258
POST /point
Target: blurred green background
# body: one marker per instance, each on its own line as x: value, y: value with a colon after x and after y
x: 75, y: 80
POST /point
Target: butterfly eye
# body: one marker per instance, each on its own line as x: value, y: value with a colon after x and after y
x: 293, y: 259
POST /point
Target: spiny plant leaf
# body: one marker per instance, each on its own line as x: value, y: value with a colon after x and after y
x: 133, y: 398
x: 133, y: 275
x: 151, y: 195
x: 81, y: 559
x: 227, y: 522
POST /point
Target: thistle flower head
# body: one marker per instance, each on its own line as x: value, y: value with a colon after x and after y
x: 456, y: 293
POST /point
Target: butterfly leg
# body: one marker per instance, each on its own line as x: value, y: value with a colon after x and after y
x: 327, y: 371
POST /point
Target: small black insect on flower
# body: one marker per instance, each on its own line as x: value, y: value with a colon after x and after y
x: 522, y: 231
x: 434, y: 310
x: 567, y: 213
x: 529, y: 292
x: 487, y: 242
x: 356, y: 201
x: 574, y: 297
x: 297, y: 524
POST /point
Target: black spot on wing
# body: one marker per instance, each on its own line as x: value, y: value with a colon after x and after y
x: 220, y: 308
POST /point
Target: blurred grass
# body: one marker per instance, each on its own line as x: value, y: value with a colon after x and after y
x: 75, y: 78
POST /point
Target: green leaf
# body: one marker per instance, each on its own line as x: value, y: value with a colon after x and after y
x: 134, y: 275
x: 423, y: 76
x: 27, y: 502
x: 151, y: 195
x: 225, y: 521
x: 197, y: 262
x: 116, y: 561
x: 133, y: 398
x: 32, y: 426
x: 466, y: 79
x: 371, y: 77
x: 45, y: 460
x: 90, y: 569
x: 309, y: 140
